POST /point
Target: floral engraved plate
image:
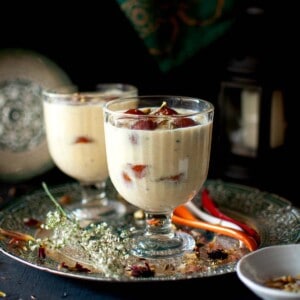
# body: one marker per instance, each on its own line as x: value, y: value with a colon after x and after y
x: 98, y: 254
x: 23, y: 147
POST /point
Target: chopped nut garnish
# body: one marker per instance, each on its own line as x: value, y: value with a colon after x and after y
x: 286, y: 283
x: 139, y: 214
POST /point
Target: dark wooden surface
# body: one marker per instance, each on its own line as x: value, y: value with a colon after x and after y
x: 20, y: 281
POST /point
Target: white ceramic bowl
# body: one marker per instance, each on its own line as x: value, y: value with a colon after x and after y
x: 268, y: 263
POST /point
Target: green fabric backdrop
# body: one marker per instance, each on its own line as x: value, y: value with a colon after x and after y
x: 174, y: 30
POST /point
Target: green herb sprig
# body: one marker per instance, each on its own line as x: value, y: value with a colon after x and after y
x: 58, y: 206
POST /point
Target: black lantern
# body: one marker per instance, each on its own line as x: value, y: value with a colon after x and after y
x: 251, y: 106
x: 251, y: 102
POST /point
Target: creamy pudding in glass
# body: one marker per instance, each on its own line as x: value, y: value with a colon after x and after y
x: 158, y: 150
x: 75, y: 136
x: 76, y: 142
x: 157, y: 170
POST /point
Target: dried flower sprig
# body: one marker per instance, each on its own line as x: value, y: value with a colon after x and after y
x: 106, y: 249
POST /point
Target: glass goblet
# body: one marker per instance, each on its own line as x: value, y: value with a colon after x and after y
x: 75, y: 137
x: 158, y: 153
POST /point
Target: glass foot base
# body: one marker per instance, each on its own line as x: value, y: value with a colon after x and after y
x: 162, y: 246
x: 95, y: 212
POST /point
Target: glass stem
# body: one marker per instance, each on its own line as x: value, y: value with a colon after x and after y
x: 160, y: 240
x: 93, y: 192
x: 159, y: 224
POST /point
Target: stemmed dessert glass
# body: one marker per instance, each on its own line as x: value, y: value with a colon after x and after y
x: 76, y: 142
x: 158, y: 152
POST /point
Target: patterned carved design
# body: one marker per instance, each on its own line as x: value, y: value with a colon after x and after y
x: 21, y: 115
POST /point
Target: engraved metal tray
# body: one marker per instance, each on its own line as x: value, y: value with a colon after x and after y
x: 275, y: 219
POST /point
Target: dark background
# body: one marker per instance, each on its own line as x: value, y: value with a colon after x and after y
x: 94, y: 42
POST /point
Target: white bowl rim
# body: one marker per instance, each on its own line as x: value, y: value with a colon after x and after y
x: 258, y: 287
